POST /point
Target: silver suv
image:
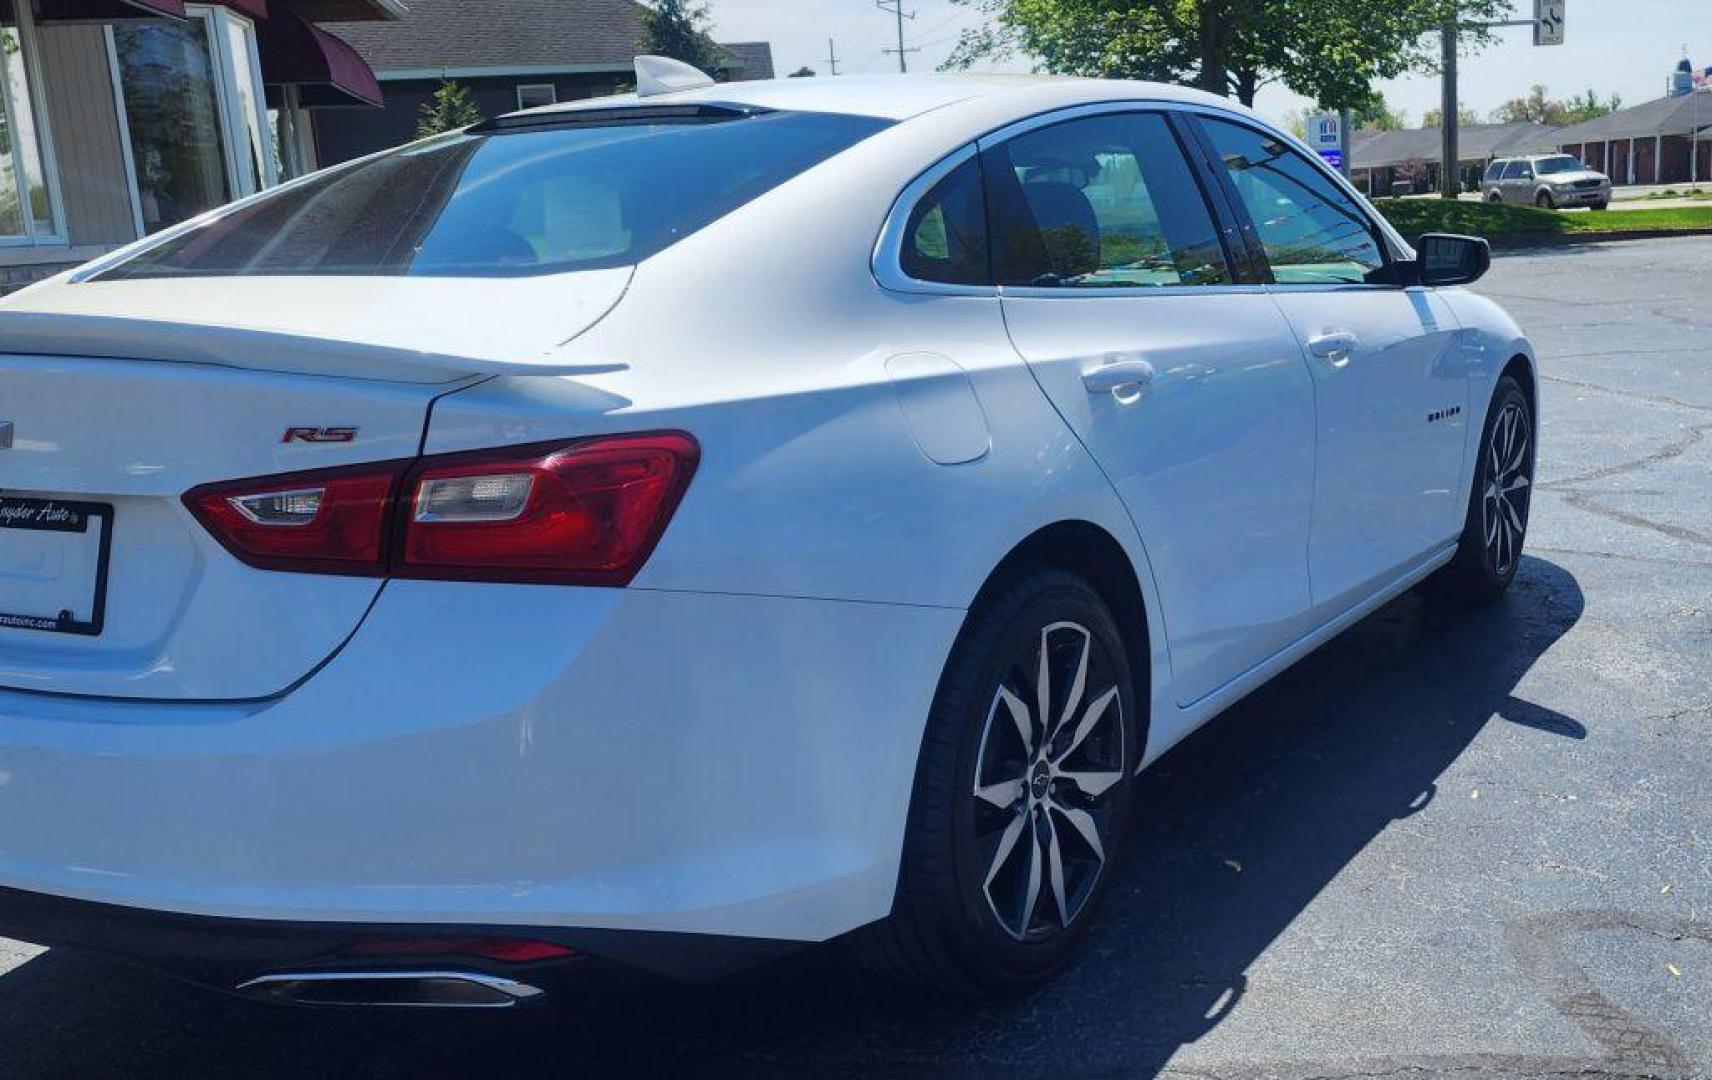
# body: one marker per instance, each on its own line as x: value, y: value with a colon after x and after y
x: 1547, y: 180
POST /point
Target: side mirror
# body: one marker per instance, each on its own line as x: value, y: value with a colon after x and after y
x: 1444, y: 259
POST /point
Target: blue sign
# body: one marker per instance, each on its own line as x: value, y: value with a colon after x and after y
x: 1334, y: 158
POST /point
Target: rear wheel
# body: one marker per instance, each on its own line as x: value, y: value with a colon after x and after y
x: 1497, y: 521
x: 1021, y: 797
x: 1600, y: 206
x: 1495, y: 197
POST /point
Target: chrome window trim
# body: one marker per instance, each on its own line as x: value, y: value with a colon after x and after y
x: 1397, y: 248
x: 1118, y: 292
x: 888, y: 259
x: 888, y: 250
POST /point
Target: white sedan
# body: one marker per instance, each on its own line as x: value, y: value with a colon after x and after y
x: 673, y: 528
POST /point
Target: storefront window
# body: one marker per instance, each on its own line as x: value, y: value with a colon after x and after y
x: 194, y: 105
x: 256, y: 153
x: 26, y: 204
x: 172, y: 104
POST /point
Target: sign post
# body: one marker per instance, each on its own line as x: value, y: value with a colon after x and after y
x: 1548, y: 23
x: 1325, y: 138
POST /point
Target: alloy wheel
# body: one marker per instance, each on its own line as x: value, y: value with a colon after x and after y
x: 1051, y: 754
x: 1504, y: 500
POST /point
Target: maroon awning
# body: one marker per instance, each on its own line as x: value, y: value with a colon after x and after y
x: 326, y: 70
x: 103, y: 10
x: 110, y: 9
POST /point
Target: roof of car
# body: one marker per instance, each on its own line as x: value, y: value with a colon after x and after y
x: 890, y: 97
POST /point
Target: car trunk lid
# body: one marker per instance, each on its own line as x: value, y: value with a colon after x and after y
x: 114, y: 407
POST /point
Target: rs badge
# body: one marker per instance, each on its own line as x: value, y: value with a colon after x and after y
x: 320, y: 434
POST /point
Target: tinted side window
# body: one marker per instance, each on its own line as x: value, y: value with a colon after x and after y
x: 1494, y: 170
x: 1312, y: 232
x: 946, y: 239
x: 1514, y: 170
x: 1106, y: 201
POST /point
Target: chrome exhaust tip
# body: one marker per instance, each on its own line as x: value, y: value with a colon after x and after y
x: 393, y: 989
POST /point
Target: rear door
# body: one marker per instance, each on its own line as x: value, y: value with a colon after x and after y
x: 1183, y: 380
x: 1518, y: 182
x: 1391, y: 392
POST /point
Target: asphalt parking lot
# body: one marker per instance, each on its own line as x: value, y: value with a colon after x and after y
x: 1445, y: 844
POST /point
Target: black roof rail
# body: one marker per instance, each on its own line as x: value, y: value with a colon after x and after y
x: 619, y: 115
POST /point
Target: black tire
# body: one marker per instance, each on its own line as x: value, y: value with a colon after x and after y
x: 1600, y: 206
x: 1495, y: 197
x: 1545, y: 201
x: 960, y: 900
x: 1481, y: 570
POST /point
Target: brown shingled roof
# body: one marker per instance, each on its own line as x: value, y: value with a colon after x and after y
x: 518, y: 34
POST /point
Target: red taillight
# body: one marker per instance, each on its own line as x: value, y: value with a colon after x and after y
x: 333, y: 521
x: 586, y: 512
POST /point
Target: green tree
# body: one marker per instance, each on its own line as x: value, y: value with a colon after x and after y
x: 1589, y: 107
x: 449, y: 109
x: 679, y: 29
x: 1378, y: 115
x: 1465, y: 116
x: 1328, y: 50
x: 1537, y: 108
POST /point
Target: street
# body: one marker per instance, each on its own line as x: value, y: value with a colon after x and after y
x: 1445, y: 843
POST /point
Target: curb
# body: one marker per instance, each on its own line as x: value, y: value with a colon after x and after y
x: 1525, y: 241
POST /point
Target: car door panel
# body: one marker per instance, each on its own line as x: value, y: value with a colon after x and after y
x: 1393, y: 415
x: 1390, y: 392
x: 1213, y: 458
x: 1188, y: 389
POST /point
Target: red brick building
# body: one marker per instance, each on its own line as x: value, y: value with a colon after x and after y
x: 1654, y: 143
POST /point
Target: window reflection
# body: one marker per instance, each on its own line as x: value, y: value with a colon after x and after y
x: 173, y: 108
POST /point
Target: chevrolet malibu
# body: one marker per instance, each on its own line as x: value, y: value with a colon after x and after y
x: 662, y: 531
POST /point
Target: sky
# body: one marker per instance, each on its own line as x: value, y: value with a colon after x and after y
x: 1626, y: 47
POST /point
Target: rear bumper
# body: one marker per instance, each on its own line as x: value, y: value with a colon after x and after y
x: 225, y: 953
x: 506, y: 755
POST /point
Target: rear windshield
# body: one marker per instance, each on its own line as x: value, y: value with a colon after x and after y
x: 1550, y: 165
x: 510, y: 202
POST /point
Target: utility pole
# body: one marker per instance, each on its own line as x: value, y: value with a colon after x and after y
x: 832, y: 55
x: 1548, y: 30
x: 1450, y: 162
x: 896, y: 7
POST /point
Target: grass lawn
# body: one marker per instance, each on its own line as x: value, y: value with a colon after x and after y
x: 1412, y: 217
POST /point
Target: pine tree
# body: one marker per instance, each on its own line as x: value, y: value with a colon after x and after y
x: 449, y: 109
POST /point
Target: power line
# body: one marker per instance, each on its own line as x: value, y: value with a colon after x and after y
x: 896, y: 7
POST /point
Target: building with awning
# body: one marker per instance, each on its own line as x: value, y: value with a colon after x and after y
x: 119, y: 118
x: 1661, y: 142
x: 509, y: 55
x: 1407, y: 161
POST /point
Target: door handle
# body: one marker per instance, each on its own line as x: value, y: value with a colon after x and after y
x: 1125, y: 379
x: 1334, y: 346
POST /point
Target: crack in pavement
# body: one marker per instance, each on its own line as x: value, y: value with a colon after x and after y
x: 1657, y: 560
x: 1583, y: 500
x: 1655, y: 399
x: 1539, y: 946
x: 1570, y: 487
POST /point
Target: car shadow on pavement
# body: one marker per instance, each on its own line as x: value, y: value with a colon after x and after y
x: 1240, y: 828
